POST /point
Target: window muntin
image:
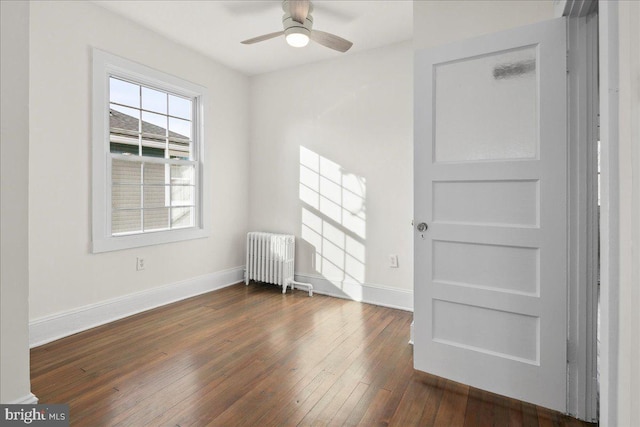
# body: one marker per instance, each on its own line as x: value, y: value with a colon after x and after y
x: 148, y: 179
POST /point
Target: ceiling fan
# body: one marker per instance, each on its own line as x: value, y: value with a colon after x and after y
x: 298, y: 23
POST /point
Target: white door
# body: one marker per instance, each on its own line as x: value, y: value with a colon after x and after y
x: 490, y: 175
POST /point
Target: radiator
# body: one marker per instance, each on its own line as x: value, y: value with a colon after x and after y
x: 271, y: 259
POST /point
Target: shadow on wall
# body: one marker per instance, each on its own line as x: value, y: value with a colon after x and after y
x: 333, y: 222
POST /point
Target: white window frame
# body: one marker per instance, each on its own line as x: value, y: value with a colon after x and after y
x: 106, y: 65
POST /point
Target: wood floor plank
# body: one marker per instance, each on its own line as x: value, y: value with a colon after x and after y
x: 529, y: 415
x: 337, y: 360
x: 452, y: 408
x: 486, y: 409
x: 251, y: 356
x: 436, y: 387
x: 410, y: 408
x: 372, y: 417
x: 244, y: 366
x: 499, y: 408
x: 221, y: 359
x: 336, y: 401
x: 341, y: 417
x: 479, y: 411
x: 227, y: 401
x: 296, y: 367
x: 401, y: 377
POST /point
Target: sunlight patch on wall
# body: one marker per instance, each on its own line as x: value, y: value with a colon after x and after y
x: 333, y: 218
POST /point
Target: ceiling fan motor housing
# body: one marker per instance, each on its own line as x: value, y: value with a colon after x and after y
x: 291, y: 26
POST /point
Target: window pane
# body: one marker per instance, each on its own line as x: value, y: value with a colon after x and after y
x: 125, y: 221
x: 180, y: 129
x: 181, y: 217
x: 124, y: 120
x: 123, y: 92
x: 156, y: 219
x: 178, y: 151
x: 152, y: 152
x: 154, y: 124
x: 179, y: 107
x: 182, y: 195
x: 154, y: 173
x: 155, y: 196
x: 124, y: 148
x: 125, y: 196
x: 153, y: 147
x: 182, y: 174
x: 154, y: 100
x: 125, y: 172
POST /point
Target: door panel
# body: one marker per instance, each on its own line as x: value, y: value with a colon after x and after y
x: 490, y: 181
x: 495, y: 96
x: 486, y: 202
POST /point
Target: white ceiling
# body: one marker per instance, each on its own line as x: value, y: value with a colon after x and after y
x: 215, y: 28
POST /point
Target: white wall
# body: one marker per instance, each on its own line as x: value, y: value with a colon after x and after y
x: 352, y: 117
x: 14, y: 155
x: 439, y: 22
x: 619, y: 26
x: 624, y: 250
x: 64, y: 274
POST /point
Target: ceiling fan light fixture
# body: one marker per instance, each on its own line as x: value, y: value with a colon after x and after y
x: 297, y: 39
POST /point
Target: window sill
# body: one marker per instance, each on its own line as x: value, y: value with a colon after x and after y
x: 117, y: 243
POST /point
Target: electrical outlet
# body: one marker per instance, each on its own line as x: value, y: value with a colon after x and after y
x: 393, y: 261
x: 139, y: 263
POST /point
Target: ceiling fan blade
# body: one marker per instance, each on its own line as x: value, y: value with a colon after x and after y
x: 262, y: 38
x: 299, y: 9
x: 331, y: 41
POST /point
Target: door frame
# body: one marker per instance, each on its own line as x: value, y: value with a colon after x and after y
x: 583, y: 133
x: 615, y: 408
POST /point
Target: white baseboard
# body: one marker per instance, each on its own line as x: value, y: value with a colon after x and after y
x: 29, y: 399
x: 51, y: 328
x: 368, y: 293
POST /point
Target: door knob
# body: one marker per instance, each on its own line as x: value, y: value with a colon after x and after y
x: 422, y: 226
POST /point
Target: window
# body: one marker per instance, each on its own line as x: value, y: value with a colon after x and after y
x: 147, y: 156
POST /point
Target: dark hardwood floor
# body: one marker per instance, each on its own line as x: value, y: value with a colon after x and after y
x: 250, y: 356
